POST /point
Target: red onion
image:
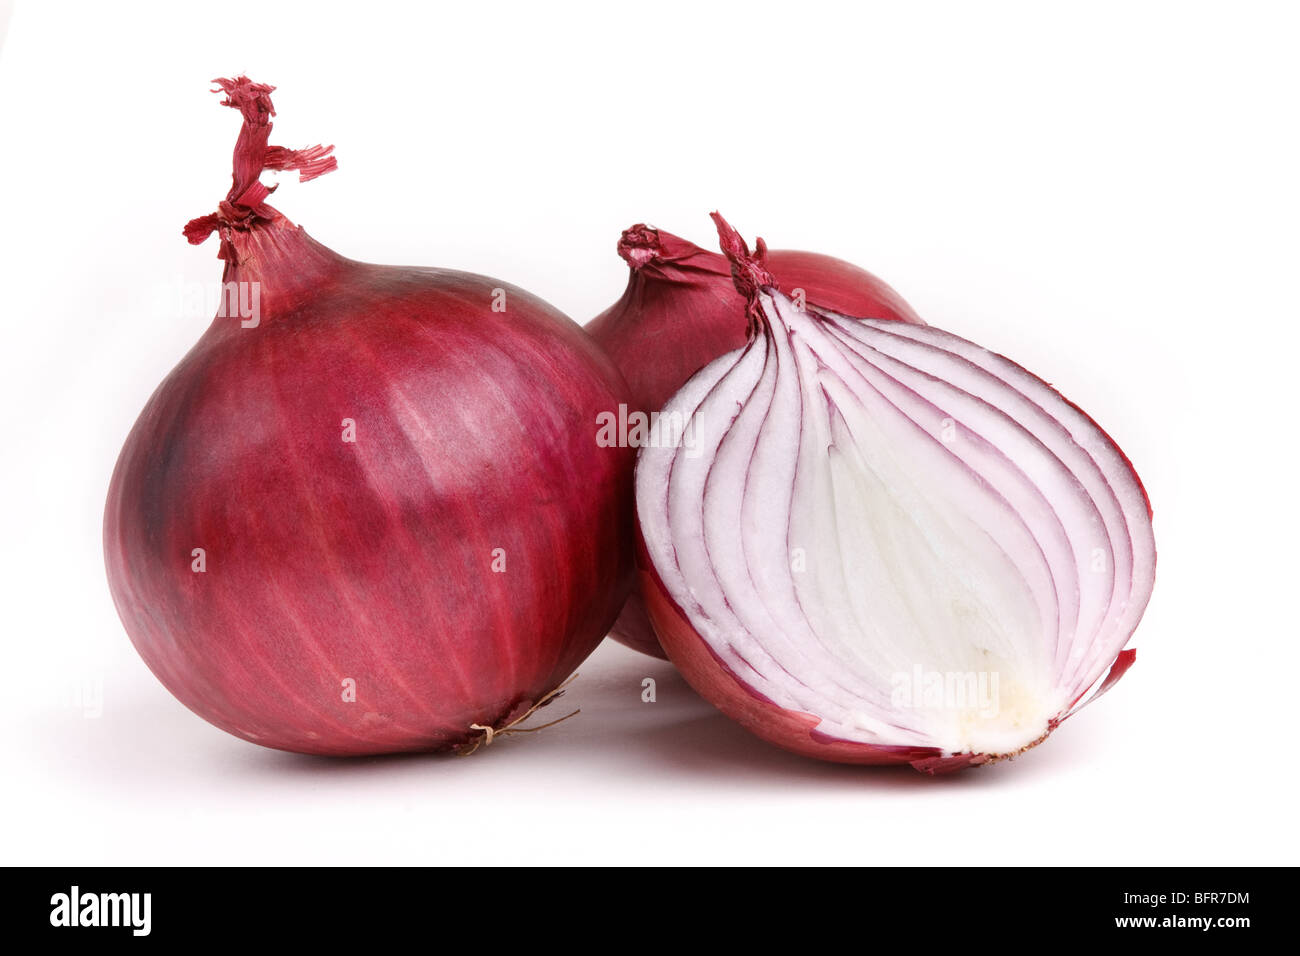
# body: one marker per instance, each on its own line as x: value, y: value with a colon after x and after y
x: 885, y: 544
x: 373, y: 517
x: 678, y: 313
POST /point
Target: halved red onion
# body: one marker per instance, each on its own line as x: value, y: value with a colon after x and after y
x: 880, y: 543
x: 678, y: 313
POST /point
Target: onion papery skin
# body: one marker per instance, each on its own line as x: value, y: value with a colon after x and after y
x: 678, y: 313
x: 448, y: 567
x: 1050, y: 500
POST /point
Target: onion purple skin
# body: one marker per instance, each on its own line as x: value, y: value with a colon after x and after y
x: 372, y: 561
x: 681, y: 310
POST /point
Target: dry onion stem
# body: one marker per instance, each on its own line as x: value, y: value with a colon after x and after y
x: 488, y: 734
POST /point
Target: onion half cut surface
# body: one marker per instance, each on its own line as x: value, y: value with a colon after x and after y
x: 877, y: 542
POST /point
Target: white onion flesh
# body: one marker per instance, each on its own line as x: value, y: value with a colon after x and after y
x: 861, y: 506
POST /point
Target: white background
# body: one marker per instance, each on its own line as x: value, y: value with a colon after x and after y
x: 1107, y: 194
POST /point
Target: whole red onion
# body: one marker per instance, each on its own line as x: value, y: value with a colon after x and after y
x: 678, y: 313
x: 373, y: 516
x: 885, y: 544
